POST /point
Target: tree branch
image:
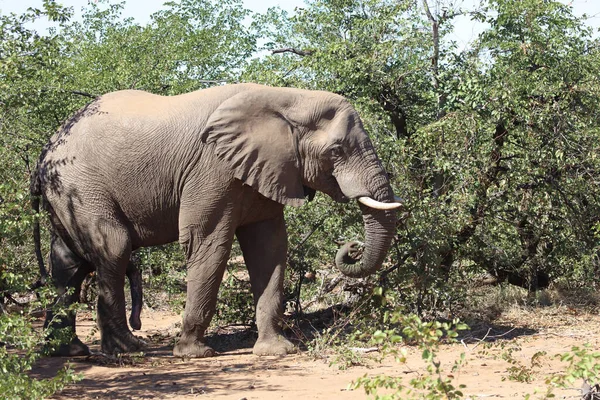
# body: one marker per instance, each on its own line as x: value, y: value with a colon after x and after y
x: 80, y: 93
x: 435, y: 58
x: 292, y: 50
x: 428, y: 12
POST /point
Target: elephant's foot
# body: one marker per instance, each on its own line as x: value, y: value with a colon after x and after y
x: 275, y: 345
x: 121, y: 343
x: 73, y: 349
x: 193, y: 349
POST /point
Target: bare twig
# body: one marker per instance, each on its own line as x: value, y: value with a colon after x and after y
x: 487, y: 336
x: 332, y: 284
x: 84, y: 94
x: 400, y: 263
x: 572, y: 335
x: 292, y: 50
x: 302, y: 263
x: 309, y: 234
x: 24, y: 154
x: 480, y: 340
x: 364, y: 350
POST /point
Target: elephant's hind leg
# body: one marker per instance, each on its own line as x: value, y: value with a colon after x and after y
x: 264, y: 245
x: 68, y: 272
x: 111, y: 252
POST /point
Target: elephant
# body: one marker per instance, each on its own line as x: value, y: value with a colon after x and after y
x: 133, y: 169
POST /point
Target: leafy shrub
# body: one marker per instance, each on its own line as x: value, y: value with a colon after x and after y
x: 20, y: 349
x: 435, y: 383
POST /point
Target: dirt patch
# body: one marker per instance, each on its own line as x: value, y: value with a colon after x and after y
x: 237, y: 374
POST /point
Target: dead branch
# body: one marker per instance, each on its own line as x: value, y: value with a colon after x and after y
x: 84, y: 94
x: 364, y: 350
x: 292, y: 50
x: 487, y: 336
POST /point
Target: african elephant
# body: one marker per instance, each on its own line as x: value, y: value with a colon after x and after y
x: 133, y: 169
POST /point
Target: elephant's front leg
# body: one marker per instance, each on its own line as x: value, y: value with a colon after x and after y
x: 264, y: 245
x: 206, y: 261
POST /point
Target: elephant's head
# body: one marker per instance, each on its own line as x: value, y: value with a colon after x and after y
x: 282, y: 141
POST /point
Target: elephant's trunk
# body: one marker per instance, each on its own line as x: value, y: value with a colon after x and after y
x: 380, y: 227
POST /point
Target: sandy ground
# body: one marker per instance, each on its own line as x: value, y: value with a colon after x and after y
x: 237, y: 374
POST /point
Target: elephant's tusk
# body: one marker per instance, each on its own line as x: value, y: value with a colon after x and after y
x: 369, y: 202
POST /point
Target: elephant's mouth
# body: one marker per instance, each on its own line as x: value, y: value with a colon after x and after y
x: 338, y: 195
x: 331, y: 188
x: 342, y: 199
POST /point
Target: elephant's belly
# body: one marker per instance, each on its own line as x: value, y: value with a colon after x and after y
x: 155, y: 232
x: 145, y: 237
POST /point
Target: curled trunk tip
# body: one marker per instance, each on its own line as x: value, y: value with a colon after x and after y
x: 348, y: 258
x: 358, y: 260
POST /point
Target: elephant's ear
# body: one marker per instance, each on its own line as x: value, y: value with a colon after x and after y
x: 250, y: 132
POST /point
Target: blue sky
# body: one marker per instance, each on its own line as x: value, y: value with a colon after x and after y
x: 465, y: 30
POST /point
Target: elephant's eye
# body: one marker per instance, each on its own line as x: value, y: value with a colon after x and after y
x: 336, y: 152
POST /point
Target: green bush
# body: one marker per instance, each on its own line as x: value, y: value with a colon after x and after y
x: 23, y: 345
x: 435, y: 383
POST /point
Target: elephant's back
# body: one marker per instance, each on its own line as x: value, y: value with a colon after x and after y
x: 128, y: 153
x: 134, y: 104
x: 134, y: 139
x: 128, y: 123
x: 196, y: 105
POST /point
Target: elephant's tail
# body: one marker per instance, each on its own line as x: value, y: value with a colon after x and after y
x: 35, y: 191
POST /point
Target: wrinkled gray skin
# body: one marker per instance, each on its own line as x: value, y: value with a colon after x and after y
x: 67, y: 267
x: 134, y: 169
x: 132, y: 272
